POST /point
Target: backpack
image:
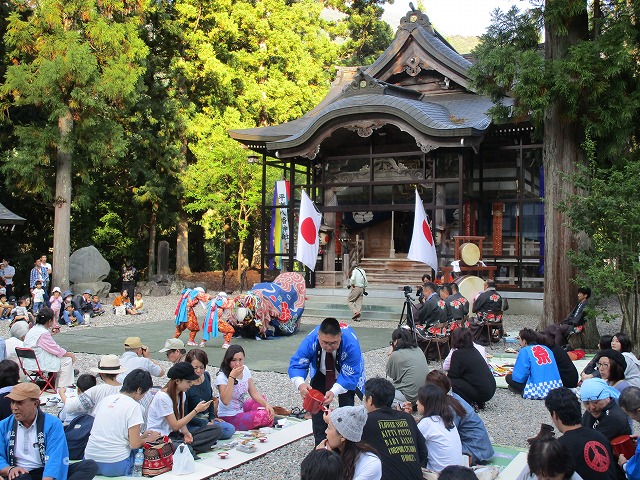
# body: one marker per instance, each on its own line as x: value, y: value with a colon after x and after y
x: 77, y: 433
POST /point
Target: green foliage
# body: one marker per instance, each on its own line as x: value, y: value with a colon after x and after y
x: 82, y: 57
x: 610, y: 217
x: 510, y: 64
x: 367, y: 35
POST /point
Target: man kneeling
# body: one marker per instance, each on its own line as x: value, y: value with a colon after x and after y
x: 32, y: 443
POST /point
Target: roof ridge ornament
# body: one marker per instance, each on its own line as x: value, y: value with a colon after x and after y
x: 364, y: 83
x: 415, y: 18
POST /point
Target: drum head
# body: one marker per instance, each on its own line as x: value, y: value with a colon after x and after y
x: 470, y: 286
x: 470, y: 254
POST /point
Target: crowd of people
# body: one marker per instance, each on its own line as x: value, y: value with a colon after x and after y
x: 417, y: 418
x: 125, y: 410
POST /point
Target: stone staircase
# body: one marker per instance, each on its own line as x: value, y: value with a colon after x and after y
x: 394, y: 271
x: 382, y: 304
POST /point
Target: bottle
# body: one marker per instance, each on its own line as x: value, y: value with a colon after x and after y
x: 137, y: 463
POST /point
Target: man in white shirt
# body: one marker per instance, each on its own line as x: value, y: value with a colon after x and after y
x: 357, y: 283
x: 7, y: 272
x: 136, y: 355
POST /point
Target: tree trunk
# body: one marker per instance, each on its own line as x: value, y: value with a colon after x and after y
x: 152, y: 243
x: 62, y: 203
x: 256, y: 256
x: 182, y: 246
x: 561, y: 153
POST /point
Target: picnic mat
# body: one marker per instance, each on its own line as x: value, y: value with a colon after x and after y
x: 261, y: 355
x: 211, y: 464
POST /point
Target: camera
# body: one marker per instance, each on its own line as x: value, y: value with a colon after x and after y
x: 407, y: 290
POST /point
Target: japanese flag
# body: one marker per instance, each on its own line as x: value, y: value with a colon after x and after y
x: 308, y: 226
x: 422, y: 247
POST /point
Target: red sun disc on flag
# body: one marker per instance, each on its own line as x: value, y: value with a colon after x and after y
x: 308, y: 230
x: 427, y: 232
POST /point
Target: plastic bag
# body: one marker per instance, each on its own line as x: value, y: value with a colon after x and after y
x: 183, y: 462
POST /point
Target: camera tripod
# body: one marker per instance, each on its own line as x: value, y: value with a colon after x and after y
x: 406, y: 317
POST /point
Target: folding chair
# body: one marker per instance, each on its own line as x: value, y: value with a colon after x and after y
x: 439, y: 334
x: 493, y: 322
x: 36, y: 375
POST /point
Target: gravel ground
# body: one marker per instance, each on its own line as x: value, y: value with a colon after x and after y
x: 510, y: 420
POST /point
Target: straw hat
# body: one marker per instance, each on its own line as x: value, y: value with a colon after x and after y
x: 109, y: 364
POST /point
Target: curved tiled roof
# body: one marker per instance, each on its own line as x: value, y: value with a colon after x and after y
x: 434, y: 117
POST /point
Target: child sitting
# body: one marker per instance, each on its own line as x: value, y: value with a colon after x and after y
x: 55, y: 302
x: 138, y: 303
x: 21, y: 312
x: 5, y: 307
x: 38, y: 297
x: 96, y: 306
x: 84, y: 383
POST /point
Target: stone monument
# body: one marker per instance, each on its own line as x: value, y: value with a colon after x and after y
x: 87, y: 270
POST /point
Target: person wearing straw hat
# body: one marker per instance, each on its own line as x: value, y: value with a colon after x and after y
x: 108, y: 369
x: 33, y: 444
x: 602, y: 412
x: 174, y: 349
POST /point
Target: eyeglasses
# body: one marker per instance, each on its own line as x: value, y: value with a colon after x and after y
x: 600, y: 365
x: 330, y: 344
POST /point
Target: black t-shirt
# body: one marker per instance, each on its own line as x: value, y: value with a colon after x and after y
x: 591, y: 452
x: 398, y: 443
x: 612, y: 423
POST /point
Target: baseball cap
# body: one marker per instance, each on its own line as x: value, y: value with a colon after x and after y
x: 22, y: 391
x: 133, y: 342
x: 172, y: 344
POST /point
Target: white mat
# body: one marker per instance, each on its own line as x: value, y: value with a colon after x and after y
x: 514, y: 469
x: 277, y: 439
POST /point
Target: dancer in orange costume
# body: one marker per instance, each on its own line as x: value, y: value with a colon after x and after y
x: 186, y: 316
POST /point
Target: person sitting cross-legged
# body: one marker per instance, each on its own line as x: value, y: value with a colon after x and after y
x: 118, y: 425
x: 535, y: 371
x: 32, y: 443
x: 385, y: 423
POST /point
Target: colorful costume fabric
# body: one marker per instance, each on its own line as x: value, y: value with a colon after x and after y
x: 536, y: 367
x: 278, y: 304
x: 219, y: 311
x: 185, y: 315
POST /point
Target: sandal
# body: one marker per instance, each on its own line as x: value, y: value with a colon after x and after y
x: 298, y: 412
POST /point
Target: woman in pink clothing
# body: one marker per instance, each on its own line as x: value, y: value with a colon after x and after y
x: 51, y: 356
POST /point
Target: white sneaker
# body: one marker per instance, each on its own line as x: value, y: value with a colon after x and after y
x: 192, y: 344
x: 202, y: 344
x: 226, y: 345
